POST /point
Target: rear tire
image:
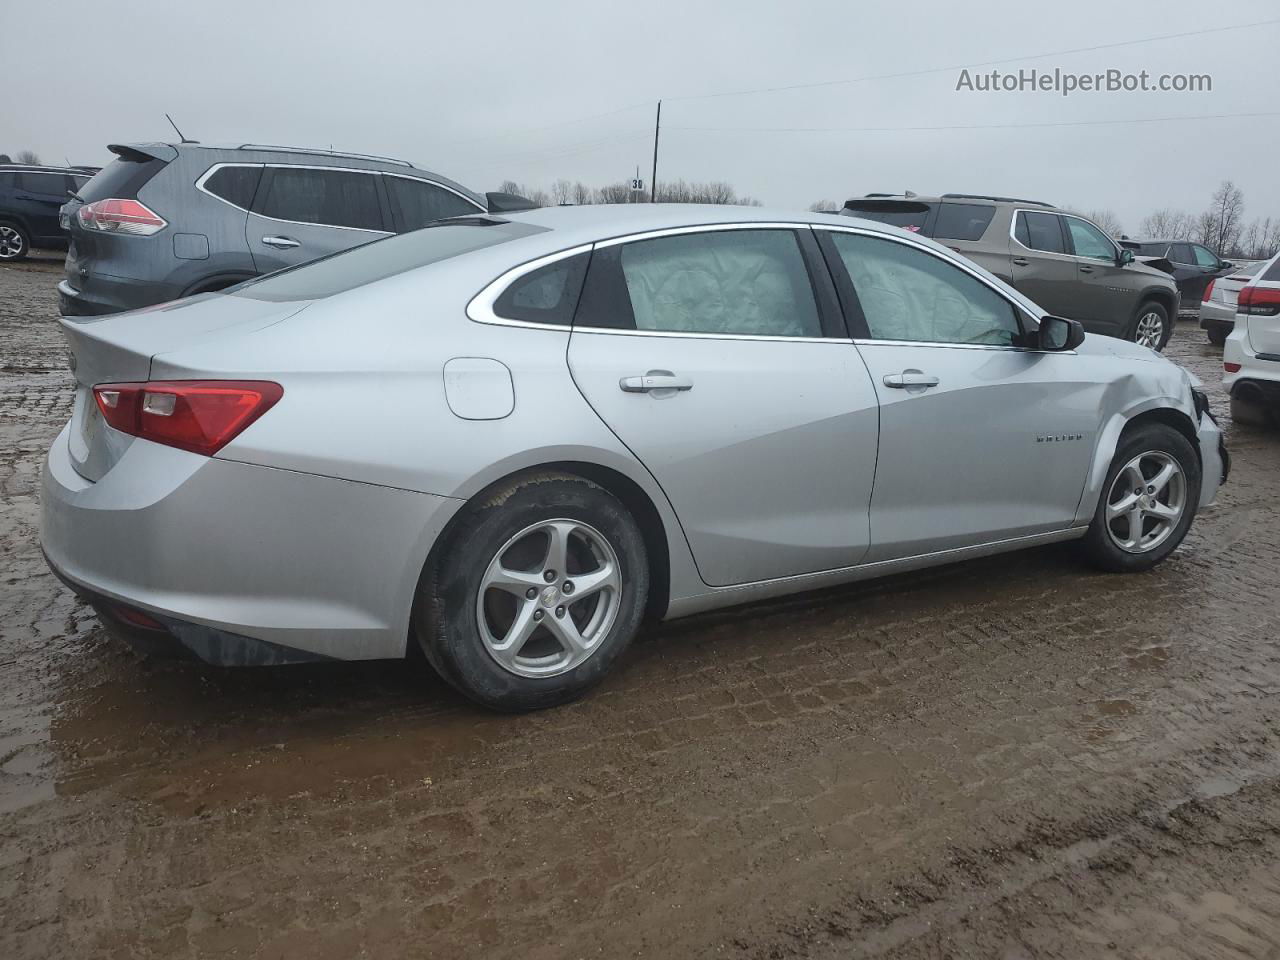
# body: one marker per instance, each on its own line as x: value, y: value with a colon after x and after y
x: 516, y: 622
x: 1218, y: 337
x: 14, y: 242
x: 1131, y: 531
x: 1151, y: 326
x: 1248, y: 413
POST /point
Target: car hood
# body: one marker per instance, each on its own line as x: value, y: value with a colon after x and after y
x: 1097, y: 345
x: 1153, y: 266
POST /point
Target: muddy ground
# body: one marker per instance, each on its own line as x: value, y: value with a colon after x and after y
x: 1010, y: 758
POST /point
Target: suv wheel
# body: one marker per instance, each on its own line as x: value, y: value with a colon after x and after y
x: 1151, y: 327
x: 1149, y: 499
x: 13, y: 241
x: 537, y: 592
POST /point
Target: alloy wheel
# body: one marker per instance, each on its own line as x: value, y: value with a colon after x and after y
x: 11, y: 243
x: 1150, y: 329
x: 549, y: 597
x: 1146, y: 502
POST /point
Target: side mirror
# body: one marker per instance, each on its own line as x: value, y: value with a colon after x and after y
x: 1226, y: 265
x: 1058, y: 334
x: 1126, y: 256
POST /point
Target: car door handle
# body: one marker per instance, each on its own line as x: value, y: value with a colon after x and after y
x: 281, y: 243
x: 655, y: 381
x: 1084, y: 269
x: 909, y: 378
x: 1020, y: 261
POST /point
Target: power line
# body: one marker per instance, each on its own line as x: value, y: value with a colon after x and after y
x: 986, y: 63
x: 546, y: 126
x: 972, y: 126
x: 584, y: 147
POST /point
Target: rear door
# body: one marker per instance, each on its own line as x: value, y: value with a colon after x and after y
x: 302, y: 213
x: 40, y: 196
x: 1042, y: 267
x: 1106, y: 293
x: 1208, y: 266
x: 713, y: 356
x: 981, y: 439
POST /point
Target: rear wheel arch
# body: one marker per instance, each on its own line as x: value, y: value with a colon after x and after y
x: 627, y: 491
x: 218, y: 281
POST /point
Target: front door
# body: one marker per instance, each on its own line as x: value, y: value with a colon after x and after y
x: 302, y: 213
x: 708, y: 354
x: 1107, y: 294
x: 981, y: 440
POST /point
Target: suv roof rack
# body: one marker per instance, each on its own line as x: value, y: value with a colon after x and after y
x: 981, y: 196
x: 323, y: 153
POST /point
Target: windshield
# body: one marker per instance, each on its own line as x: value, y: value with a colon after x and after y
x: 384, y: 258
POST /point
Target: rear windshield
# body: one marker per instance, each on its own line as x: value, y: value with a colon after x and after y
x: 1248, y: 269
x: 962, y: 221
x: 384, y: 258
x: 121, y: 179
x: 908, y: 214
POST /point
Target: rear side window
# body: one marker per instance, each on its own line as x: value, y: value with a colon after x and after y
x: 910, y: 215
x: 1181, y: 253
x: 1153, y: 249
x: 236, y: 185
x: 546, y: 295
x: 734, y: 282
x: 962, y: 221
x: 1273, y: 272
x: 417, y: 202
x: 8, y: 179
x: 336, y: 198
x: 1040, y: 231
x: 380, y: 259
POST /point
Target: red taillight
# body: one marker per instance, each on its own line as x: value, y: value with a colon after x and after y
x: 1231, y: 367
x: 202, y: 416
x: 121, y: 216
x: 1208, y: 290
x: 1258, y: 301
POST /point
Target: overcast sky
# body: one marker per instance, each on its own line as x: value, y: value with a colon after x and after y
x: 486, y: 91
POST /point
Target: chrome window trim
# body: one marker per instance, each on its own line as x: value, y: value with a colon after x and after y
x: 908, y: 240
x: 701, y: 228
x: 480, y: 307
x: 1013, y: 237
x: 200, y: 185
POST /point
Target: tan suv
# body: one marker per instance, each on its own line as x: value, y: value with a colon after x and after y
x: 1061, y: 260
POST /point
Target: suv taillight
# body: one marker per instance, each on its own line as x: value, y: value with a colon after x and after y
x: 1258, y: 301
x: 202, y: 416
x: 129, y: 217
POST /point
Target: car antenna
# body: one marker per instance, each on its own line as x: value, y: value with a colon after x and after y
x: 181, y: 138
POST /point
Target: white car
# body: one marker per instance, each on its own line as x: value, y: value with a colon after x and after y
x: 1251, y: 356
x: 1218, y: 308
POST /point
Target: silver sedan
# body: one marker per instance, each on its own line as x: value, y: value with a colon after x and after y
x: 509, y: 440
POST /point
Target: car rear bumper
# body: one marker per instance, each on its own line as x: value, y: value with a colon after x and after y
x: 241, y: 563
x: 103, y: 294
x: 1217, y: 316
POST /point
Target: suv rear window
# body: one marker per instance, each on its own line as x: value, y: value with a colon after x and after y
x: 335, y: 198
x: 122, y: 178
x: 384, y: 258
x: 911, y: 215
x: 962, y: 221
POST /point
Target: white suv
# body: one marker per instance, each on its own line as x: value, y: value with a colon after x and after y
x: 1251, y: 356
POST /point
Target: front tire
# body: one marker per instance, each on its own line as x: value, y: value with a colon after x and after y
x: 1151, y: 326
x: 1148, y: 501
x: 540, y: 587
x: 14, y: 242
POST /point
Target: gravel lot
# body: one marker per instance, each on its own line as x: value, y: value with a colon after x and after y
x: 1012, y: 758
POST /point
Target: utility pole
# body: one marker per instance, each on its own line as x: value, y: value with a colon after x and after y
x: 657, y: 128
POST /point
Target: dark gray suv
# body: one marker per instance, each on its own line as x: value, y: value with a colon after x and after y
x: 168, y: 220
x: 1061, y: 260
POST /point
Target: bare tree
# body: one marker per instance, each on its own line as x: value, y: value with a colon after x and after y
x: 1221, y: 222
x: 1166, y: 224
x: 824, y: 206
x: 1107, y: 220
x: 619, y: 192
x: 582, y: 193
x: 4, y: 158
x: 562, y: 191
x: 28, y: 156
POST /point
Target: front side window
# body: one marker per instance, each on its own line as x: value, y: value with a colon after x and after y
x: 338, y: 198
x: 1040, y: 231
x: 1088, y: 241
x: 1204, y: 256
x: 963, y: 221
x: 911, y: 295
x: 419, y: 203
x: 735, y: 282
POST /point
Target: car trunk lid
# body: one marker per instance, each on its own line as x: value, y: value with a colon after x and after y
x: 120, y: 349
